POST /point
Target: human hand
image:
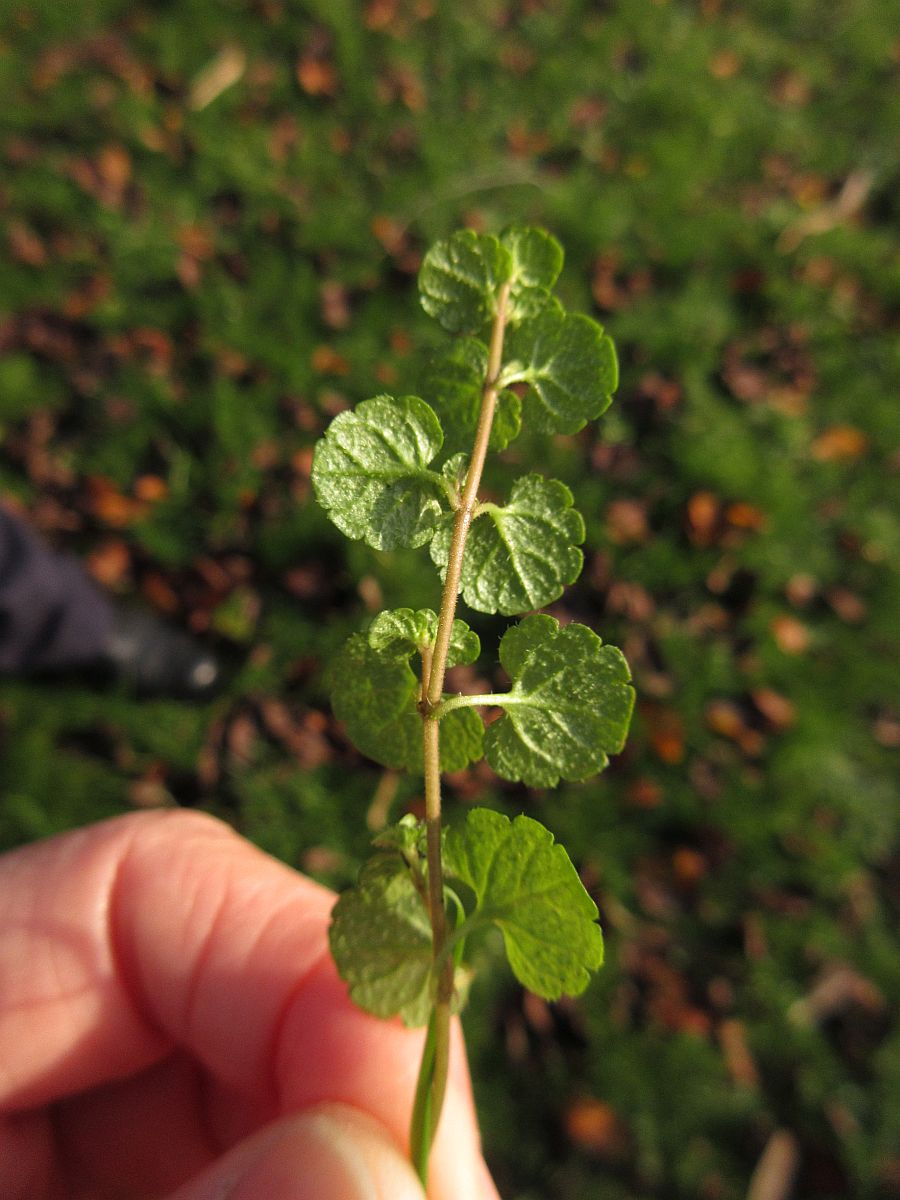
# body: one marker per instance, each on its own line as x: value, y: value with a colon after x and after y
x: 171, y: 1025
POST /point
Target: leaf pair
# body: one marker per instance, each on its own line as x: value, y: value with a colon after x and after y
x: 522, y: 882
x: 568, y: 707
x: 372, y: 474
x: 461, y: 278
x: 566, y: 363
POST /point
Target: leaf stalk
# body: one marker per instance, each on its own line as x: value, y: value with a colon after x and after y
x: 500, y: 699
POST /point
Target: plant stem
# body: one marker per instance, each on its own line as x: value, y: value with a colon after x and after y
x: 432, y: 753
x: 427, y: 1109
x: 419, y: 1134
x: 430, y: 1098
x: 466, y: 510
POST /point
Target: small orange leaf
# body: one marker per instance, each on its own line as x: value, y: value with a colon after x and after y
x: 386, y: 373
x: 524, y: 142
x: 150, y: 488
x: 327, y: 361
x: 839, y: 443
x: 626, y: 522
x: 592, y: 1125
x: 724, y: 65
x: 752, y: 742
x: 724, y: 718
x: 703, y: 516
x: 301, y: 462
x: 848, y: 606
x: 777, y: 709
x: 317, y: 76
x: 85, y: 299
x: 334, y: 304
x: 157, y: 590
x: 645, y: 793
x: 801, y: 589
x: 745, y: 516
x: 401, y: 342
x: 689, y: 866
x: 738, y: 1060
x: 114, y: 167
x: 380, y: 14
x: 25, y: 246
x: 108, y: 505
x: 110, y: 562
x: 667, y: 735
x: 791, y: 635
x: 791, y: 89
x: 196, y: 240
x: 390, y: 233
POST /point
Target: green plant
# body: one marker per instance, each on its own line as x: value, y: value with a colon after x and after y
x: 398, y: 936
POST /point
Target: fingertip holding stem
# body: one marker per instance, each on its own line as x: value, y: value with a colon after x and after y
x: 329, y: 1152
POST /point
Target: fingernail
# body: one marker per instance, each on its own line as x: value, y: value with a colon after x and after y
x: 330, y: 1152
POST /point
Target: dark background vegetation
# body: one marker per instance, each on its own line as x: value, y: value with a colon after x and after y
x: 212, y: 217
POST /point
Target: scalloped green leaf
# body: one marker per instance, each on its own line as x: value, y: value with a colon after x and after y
x: 519, y: 556
x: 453, y: 384
x: 464, y: 645
x: 569, y: 364
x: 460, y: 277
x: 375, y: 694
x: 400, y: 632
x: 569, y: 705
x: 462, y: 743
x: 526, y: 885
x: 370, y: 472
x: 537, y: 260
x: 455, y: 470
x: 537, y: 257
x: 407, y: 837
x: 380, y: 938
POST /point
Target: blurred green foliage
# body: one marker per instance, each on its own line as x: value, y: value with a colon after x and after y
x: 212, y: 218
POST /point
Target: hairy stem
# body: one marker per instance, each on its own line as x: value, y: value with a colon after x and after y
x: 485, y: 700
x: 431, y: 735
x: 427, y: 1109
x: 420, y: 1129
x: 466, y: 510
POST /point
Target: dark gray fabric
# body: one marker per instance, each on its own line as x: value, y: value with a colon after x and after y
x: 52, y: 616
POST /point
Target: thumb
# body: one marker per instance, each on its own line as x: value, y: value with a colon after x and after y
x: 329, y: 1152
